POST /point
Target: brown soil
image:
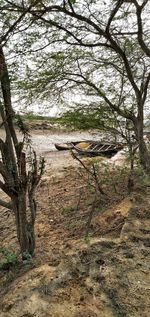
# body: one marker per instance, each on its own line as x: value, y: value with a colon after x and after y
x: 81, y: 268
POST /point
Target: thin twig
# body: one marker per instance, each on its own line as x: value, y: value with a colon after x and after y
x: 93, y: 174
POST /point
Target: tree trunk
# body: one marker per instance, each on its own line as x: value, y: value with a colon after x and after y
x: 144, y: 156
x: 19, y: 182
x: 143, y: 152
x: 25, y: 228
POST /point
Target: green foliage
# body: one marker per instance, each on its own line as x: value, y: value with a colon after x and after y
x: 8, y: 259
x: 129, y: 46
x: 115, y: 177
x: 21, y: 125
x: 33, y: 117
x: 141, y: 179
x: 27, y: 258
x: 87, y: 238
x: 89, y: 118
x: 68, y: 210
x: 111, y: 179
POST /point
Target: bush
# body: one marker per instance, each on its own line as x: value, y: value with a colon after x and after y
x: 8, y: 259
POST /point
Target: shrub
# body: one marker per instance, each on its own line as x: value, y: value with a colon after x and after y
x: 8, y: 259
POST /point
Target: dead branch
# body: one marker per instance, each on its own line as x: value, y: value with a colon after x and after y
x: 93, y: 174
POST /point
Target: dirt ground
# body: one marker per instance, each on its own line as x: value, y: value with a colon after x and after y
x: 92, y: 249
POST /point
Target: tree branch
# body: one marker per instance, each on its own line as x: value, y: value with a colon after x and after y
x: 93, y: 174
x: 5, y: 204
x: 144, y: 47
x: 113, y: 44
x: 4, y: 172
x: 5, y: 189
x: 145, y: 88
x: 113, y: 13
x: 13, y: 26
x: 125, y: 114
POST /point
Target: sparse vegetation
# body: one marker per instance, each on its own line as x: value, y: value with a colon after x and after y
x: 33, y: 117
x: 8, y: 259
x: 66, y: 211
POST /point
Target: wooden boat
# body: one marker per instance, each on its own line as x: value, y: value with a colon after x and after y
x: 66, y: 146
x: 94, y: 148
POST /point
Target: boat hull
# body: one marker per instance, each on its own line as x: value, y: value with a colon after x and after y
x: 107, y: 150
x: 91, y: 148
